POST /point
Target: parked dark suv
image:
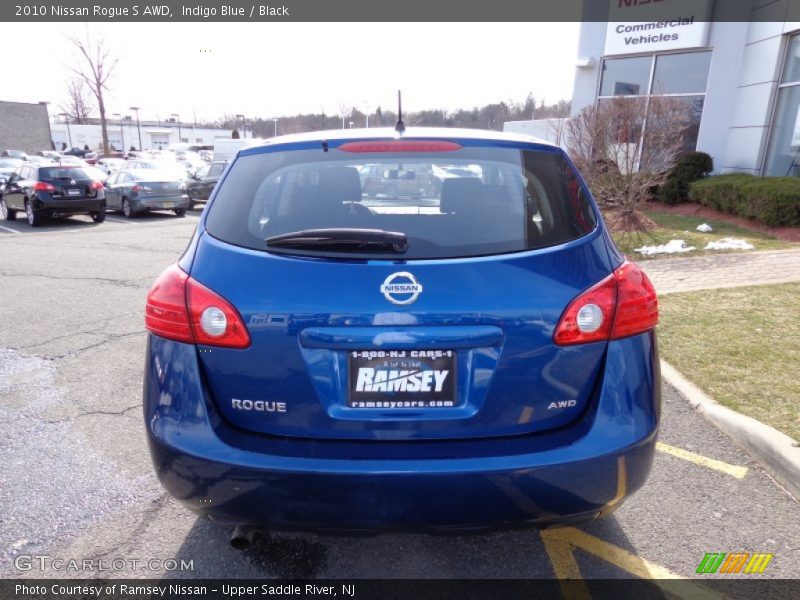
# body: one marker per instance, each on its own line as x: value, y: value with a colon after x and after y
x: 201, y: 184
x: 52, y: 191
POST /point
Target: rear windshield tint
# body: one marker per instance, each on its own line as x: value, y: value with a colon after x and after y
x: 473, y: 201
x: 154, y: 175
x: 64, y: 173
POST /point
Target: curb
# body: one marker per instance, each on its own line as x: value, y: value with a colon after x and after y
x: 775, y: 451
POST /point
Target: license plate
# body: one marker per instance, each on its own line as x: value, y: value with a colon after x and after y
x: 400, y: 379
x: 73, y: 192
x: 169, y: 204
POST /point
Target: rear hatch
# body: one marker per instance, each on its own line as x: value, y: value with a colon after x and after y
x: 448, y: 335
x: 70, y: 183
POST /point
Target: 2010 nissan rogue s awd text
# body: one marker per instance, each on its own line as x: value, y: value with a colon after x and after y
x: 473, y: 353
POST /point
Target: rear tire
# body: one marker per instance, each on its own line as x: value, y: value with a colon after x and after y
x: 127, y: 209
x: 9, y: 214
x: 180, y: 211
x: 98, y: 217
x: 35, y: 219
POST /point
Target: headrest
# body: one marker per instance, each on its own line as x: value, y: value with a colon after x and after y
x: 340, y: 183
x: 461, y: 194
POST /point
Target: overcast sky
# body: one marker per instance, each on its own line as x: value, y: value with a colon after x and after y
x: 265, y: 69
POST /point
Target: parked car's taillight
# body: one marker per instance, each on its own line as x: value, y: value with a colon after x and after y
x: 41, y: 186
x: 621, y: 305
x: 182, y: 309
x: 97, y: 185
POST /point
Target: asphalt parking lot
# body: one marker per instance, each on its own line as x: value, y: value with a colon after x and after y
x: 77, y: 479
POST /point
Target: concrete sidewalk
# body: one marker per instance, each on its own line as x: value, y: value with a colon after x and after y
x: 723, y: 270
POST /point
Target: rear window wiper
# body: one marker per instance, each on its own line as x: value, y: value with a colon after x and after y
x: 342, y: 240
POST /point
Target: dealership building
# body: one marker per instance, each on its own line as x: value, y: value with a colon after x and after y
x: 24, y: 126
x: 739, y: 80
x: 127, y: 133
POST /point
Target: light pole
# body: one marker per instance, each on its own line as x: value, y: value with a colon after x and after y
x: 121, y: 131
x: 138, y: 126
x: 366, y: 110
x: 244, y: 128
x: 178, y: 117
x: 275, y: 121
x: 69, y: 131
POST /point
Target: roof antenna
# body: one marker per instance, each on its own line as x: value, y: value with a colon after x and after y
x: 399, y: 127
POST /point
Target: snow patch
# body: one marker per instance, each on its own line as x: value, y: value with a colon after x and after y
x: 671, y: 247
x: 729, y: 244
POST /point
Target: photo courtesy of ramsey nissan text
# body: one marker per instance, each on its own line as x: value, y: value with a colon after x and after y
x: 430, y: 300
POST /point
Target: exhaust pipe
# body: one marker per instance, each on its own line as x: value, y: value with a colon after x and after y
x: 243, y: 537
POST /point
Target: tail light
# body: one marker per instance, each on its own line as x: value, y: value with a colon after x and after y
x: 182, y: 309
x: 97, y: 185
x: 621, y: 305
x: 41, y: 186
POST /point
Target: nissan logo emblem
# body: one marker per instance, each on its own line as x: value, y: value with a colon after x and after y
x: 401, y: 288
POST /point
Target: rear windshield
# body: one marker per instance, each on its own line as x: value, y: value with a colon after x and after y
x: 154, y: 175
x: 472, y: 201
x: 64, y: 173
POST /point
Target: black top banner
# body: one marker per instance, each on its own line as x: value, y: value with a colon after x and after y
x: 398, y: 10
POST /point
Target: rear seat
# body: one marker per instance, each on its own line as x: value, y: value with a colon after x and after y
x: 322, y: 205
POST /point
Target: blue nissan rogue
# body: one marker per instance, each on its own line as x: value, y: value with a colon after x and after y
x: 463, y: 348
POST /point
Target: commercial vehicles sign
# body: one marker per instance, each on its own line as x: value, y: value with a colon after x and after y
x: 636, y: 26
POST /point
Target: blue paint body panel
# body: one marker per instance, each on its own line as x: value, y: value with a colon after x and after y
x: 538, y: 433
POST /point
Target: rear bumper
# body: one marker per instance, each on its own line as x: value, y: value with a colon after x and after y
x: 283, y: 484
x: 69, y: 207
x: 160, y: 202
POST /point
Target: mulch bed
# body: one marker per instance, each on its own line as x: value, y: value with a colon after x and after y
x: 785, y: 234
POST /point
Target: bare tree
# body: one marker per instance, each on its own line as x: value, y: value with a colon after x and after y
x: 345, y: 112
x: 96, y: 69
x: 79, y: 101
x: 624, y: 148
x: 557, y: 129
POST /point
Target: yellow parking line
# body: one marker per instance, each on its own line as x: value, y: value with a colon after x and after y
x: 618, y: 557
x: 573, y: 587
x: 559, y: 544
x: 699, y: 459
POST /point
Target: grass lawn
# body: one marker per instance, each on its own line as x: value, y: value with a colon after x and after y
x: 741, y: 346
x: 684, y: 228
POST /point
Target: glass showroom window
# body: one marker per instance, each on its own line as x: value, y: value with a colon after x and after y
x: 683, y: 76
x: 783, y: 152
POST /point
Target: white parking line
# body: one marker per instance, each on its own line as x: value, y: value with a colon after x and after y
x: 8, y: 229
x: 118, y: 220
